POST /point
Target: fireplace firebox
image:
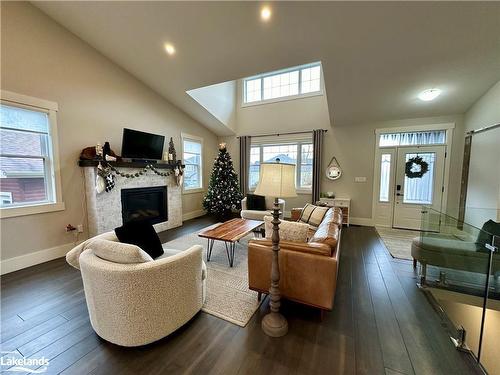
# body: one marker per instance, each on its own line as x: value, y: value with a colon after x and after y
x: 145, y: 204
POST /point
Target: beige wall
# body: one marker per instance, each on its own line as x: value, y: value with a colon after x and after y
x: 285, y: 116
x: 353, y: 145
x: 486, y: 111
x: 288, y: 116
x: 483, y: 190
x: 354, y: 148
x: 96, y: 100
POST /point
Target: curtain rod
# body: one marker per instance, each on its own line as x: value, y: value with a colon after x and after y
x: 278, y: 134
x: 486, y: 128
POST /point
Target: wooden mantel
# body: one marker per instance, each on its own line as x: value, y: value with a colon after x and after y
x: 127, y: 164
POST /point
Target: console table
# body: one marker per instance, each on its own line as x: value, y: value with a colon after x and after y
x: 343, y: 203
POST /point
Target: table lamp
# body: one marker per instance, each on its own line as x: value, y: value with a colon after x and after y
x: 276, y: 180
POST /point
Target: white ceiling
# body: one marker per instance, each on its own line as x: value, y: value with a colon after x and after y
x: 376, y: 56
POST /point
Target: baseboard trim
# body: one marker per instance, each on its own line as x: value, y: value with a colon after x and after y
x: 32, y: 259
x: 363, y: 221
x: 192, y: 214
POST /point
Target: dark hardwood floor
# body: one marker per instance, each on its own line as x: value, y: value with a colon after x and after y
x: 381, y: 324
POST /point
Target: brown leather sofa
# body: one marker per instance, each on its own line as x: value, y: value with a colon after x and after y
x: 308, y: 269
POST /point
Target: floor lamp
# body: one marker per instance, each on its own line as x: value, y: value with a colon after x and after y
x: 276, y: 180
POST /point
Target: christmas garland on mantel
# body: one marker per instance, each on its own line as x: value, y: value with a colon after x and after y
x: 106, y: 179
x: 140, y: 173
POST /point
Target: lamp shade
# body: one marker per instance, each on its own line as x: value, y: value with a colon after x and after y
x: 276, y: 180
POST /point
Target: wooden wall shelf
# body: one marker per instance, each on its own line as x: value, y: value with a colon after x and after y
x: 127, y: 164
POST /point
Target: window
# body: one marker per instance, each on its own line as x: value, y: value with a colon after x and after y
x: 5, y: 197
x: 299, y: 153
x: 306, y: 166
x: 385, y: 177
x: 433, y: 137
x: 192, y: 149
x: 310, y: 79
x: 419, y: 190
x: 254, y: 168
x: 253, y: 90
x: 280, y: 85
x: 302, y: 80
x: 28, y: 166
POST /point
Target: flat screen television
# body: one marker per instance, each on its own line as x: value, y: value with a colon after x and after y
x: 141, y: 145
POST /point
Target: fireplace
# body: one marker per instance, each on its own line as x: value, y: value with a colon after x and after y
x: 145, y: 204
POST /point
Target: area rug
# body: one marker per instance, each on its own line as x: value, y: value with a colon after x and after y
x: 398, y: 241
x: 228, y: 296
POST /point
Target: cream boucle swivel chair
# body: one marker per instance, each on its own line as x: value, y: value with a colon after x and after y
x: 259, y: 215
x: 140, y: 300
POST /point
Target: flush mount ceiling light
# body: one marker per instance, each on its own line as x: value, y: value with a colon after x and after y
x: 265, y: 13
x: 430, y: 94
x: 169, y: 48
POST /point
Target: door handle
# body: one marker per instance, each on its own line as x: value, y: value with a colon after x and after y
x: 399, y: 194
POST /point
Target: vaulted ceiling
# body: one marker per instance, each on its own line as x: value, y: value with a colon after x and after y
x: 376, y: 56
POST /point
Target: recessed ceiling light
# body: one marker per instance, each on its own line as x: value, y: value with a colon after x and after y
x: 265, y: 13
x: 169, y: 48
x: 430, y: 94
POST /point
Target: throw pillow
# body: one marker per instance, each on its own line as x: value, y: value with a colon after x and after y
x: 256, y: 202
x: 313, y: 215
x: 289, y: 230
x: 118, y: 252
x: 489, y: 229
x: 142, y: 234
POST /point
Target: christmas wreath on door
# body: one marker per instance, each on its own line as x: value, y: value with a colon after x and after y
x: 416, y: 167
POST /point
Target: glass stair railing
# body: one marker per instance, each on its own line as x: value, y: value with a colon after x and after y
x: 459, y: 268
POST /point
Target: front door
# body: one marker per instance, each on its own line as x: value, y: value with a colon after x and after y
x: 419, y: 182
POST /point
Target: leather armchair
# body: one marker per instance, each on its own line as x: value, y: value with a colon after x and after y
x: 308, y: 269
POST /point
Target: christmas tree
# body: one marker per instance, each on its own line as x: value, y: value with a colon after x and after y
x: 223, y: 195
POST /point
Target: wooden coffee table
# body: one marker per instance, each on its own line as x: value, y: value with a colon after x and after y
x: 229, y: 232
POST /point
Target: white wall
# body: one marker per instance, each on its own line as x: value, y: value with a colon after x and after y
x: 219, y: 100
x: 483, y: 190
x: 96, y: 100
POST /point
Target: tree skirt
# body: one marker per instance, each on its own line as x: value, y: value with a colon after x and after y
x: 228, y: 296
x: 398, y: 241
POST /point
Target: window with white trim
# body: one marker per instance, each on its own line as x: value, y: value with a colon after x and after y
x: 431, y: 137
x: 299, y: 153
x: 192, y: 151
x: 294, y: 82
x: 26, y: 160
x: 385, y: 177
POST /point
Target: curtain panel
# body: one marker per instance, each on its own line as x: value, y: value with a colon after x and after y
x: 245, y: 142
x: 318, y: 136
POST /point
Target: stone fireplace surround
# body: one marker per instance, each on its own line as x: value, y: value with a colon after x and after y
x: 105, y: 210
